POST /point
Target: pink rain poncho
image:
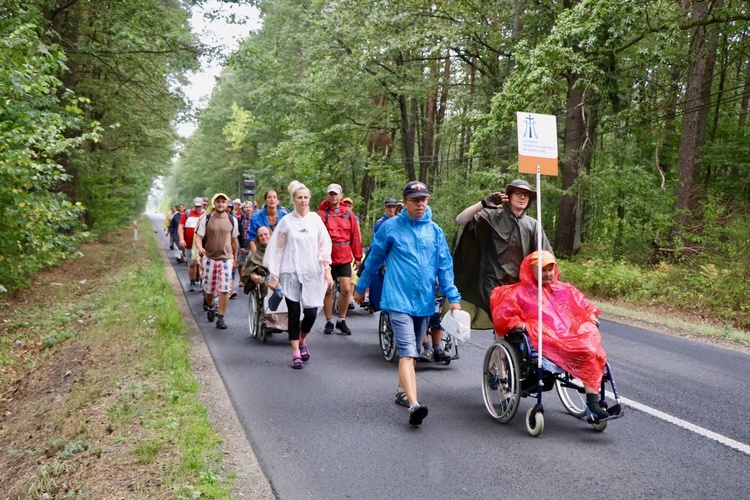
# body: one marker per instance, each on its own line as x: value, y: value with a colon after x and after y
x: 571, y: 339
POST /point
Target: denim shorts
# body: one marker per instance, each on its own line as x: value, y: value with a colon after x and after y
x: 409, y: 332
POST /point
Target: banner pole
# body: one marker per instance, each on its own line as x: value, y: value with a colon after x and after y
x: 539, y: 261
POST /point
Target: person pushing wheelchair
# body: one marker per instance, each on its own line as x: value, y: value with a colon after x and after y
x: 570, y: 332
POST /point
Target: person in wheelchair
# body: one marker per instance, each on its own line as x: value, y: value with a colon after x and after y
x: 570, y: 332
x: 255, y: 273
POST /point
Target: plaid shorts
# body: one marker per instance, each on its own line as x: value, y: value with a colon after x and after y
x: 217, y: 275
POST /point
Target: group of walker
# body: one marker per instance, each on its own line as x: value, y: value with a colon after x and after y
x: 496, y: 283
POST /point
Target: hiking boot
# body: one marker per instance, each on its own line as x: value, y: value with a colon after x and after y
x: 401, y: 399
x: 211, y: 314
x: 417, y: 413
x: 328, y: 329
x: 341, y: 325
x: 220, y: 322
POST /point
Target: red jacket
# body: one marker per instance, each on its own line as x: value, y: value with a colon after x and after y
x: 343, y: 228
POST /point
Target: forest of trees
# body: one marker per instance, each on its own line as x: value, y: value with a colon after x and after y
x: 90, y: 95
x: 651, y: 99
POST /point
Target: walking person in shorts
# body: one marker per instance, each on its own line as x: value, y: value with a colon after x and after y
x: 217, y: 245
x: 415, y: 253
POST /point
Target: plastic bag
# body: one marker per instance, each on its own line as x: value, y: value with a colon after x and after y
x: 457, y: 324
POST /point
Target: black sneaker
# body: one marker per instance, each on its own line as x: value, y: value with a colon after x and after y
x: 211, y: 314
x: 341, y: 325
x: 441, y: 355
x: 205, y: 304
x: 328, y: 329
x: 493, y: 381
x: 220, y: 323
x: 417, y: 413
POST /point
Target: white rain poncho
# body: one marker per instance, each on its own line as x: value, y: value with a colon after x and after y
x: 298, y: 248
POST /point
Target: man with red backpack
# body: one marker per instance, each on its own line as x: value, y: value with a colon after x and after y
x: 343, y: 228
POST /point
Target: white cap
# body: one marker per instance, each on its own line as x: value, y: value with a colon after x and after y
x: 334, y: 188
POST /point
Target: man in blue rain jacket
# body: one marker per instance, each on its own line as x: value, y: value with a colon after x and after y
x: 415, y: 254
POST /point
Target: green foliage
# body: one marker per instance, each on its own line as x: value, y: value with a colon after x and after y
x: 38, y: 227
x: 603, y: 278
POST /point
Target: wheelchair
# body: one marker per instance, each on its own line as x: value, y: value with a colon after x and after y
x: 510, y: 373
x: 263, y: 322
x: 388, y: 342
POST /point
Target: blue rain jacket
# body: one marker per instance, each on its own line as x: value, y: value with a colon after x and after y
x: 416, y: 256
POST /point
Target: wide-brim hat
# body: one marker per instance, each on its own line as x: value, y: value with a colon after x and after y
x: 520, y: 185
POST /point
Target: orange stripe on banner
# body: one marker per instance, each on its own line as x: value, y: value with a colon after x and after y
x: 528, y: 164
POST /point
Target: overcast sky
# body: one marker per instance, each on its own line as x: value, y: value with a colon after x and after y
x: 216, y: 33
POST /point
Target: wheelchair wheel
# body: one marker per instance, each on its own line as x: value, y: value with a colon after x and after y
x: 600, y: 426
x: 570, y: 390
x: 387, y: 342
x: 449, y: 346
x: 501, y: 387
x: 534, y: 422
x: 255, y: 316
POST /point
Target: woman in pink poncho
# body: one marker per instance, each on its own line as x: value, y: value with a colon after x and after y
x: 571, y: 338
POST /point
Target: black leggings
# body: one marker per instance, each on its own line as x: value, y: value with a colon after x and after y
x: 308, y: 318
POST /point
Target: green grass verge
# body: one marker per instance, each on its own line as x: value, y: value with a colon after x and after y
x: 135, y: 385
x: 708, y: 295
x: 162, y: 395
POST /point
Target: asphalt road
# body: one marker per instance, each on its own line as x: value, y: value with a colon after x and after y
x: 333, y: 431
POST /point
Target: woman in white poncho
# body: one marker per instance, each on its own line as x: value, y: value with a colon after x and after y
x: 298, y: 258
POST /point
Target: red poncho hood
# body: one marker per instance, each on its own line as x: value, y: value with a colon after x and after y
x: 570, y: 338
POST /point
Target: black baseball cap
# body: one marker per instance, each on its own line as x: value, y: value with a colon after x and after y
x: 391, y: 202
x: 416, y: 189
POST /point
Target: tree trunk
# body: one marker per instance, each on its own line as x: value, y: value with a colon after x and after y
x: 703, y: 42
x: 441, y: 116
x: 427, y: 158
x: 407, y: 138
x: 579, y: 141
x: 64, y: 20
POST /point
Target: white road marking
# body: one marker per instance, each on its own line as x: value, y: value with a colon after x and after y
x: 731, y: 443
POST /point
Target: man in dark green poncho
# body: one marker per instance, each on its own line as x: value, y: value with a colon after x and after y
x: 495, y: 235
